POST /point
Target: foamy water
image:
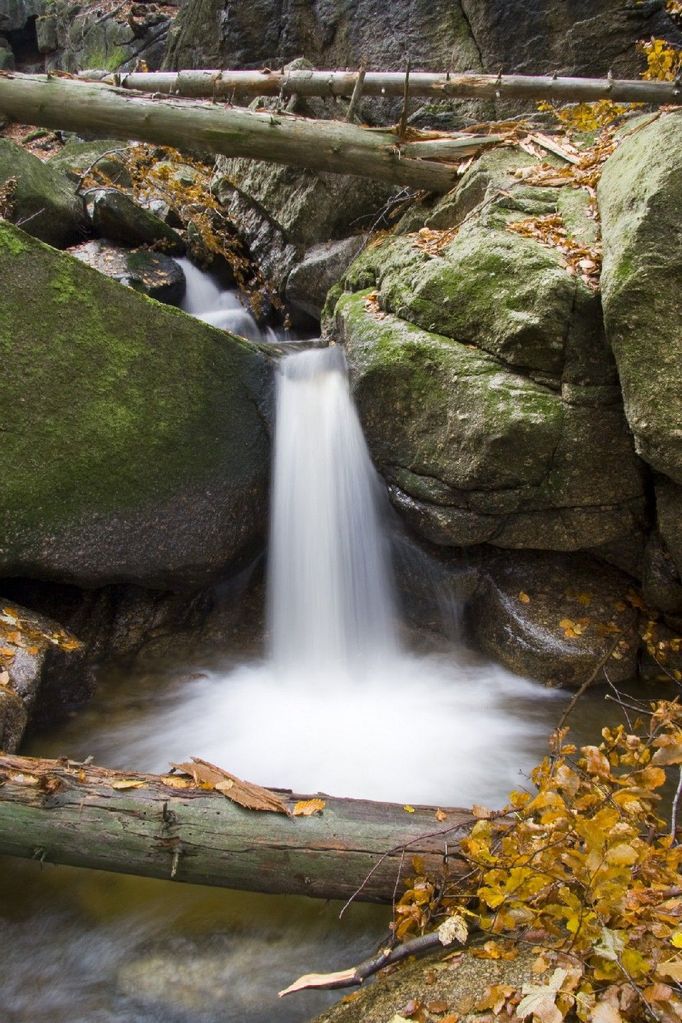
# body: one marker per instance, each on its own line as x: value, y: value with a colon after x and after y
x: 339, y: 705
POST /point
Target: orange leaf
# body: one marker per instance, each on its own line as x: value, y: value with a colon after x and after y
x: 244, y: 793
x: 307, y: 807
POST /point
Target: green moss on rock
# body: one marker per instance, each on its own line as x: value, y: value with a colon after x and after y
x: 640, y: 199
x: 476, y: 453
x: 133, y: 443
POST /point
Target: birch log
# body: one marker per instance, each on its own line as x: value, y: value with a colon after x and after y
x: 63, y: 812
x: 338, y: 147
x: 226, y: 84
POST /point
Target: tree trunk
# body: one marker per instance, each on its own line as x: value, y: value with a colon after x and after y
x: 75, y: 105
x: 63, y: 812
x: 226, y: 84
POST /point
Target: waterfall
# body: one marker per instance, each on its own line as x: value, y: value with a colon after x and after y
x: 339, y: 704
x: 221, y: 307
x: 330, y: 590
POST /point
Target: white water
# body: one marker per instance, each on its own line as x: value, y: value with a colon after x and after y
x: 221, y: 307
x: 331, y: 603
x: 339, y: 705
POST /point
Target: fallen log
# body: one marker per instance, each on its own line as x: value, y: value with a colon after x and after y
x: 165, y: 826
x: 334, y: 146
x: 226, y: 84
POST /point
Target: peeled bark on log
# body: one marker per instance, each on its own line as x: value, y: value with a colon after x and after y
x: 225, y: 84
x: 63, y: 812
x: 333, y: 146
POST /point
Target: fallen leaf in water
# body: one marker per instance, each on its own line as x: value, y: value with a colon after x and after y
x: 307, y: 807
x: 127, y: 783
x: 439, y: 1006
x: 244, y: 793
x: 524, y: 598
x: 6, y: 651
x: 408, y: 809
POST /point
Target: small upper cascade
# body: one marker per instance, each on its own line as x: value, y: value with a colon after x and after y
x: 221, y: 307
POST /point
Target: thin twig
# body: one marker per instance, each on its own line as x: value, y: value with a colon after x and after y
x: 587, y: 683
x: 673, y: 812
x: 402, y: 849
x: 402, y: 127
x: 357, y: 93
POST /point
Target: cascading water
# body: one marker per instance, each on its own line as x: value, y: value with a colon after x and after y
x: 339, y: 705
x: 221, y: 307
x: 330, y: 594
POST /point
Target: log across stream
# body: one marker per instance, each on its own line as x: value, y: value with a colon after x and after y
x: 64, y: 812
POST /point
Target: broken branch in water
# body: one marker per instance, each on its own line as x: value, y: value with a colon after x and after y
x: 443, y: 937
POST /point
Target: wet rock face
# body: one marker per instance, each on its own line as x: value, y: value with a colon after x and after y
x: 140, y: 451
x: 152, y: 273
x: 486, y: 388
x: 556, y: 617
x: 43, y: 672
x: 541, y: 36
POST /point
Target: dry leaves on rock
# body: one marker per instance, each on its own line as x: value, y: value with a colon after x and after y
x: 581, y: 260
x: 244, y: 793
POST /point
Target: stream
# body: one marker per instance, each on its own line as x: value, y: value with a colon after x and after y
x: 339, y: 702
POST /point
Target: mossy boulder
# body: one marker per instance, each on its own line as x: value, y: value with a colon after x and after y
x: 484, y: 379
x: 77, y: 157
x: 474, y: 453
x: 640, y: 199
x: 135, y: 447
x: 116, y: 217
x: 43, y: 200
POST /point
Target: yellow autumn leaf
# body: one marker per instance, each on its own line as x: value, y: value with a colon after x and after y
x: 127, y: 783
x: 408, y: 809
x: 524, y: 598
x: 441, y: 815
x: 307, y: 807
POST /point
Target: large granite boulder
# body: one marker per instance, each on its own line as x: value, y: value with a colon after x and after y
x: 135, y: 442
x: 43, y: 199
x: 640, y: 199
x: 487, y: 390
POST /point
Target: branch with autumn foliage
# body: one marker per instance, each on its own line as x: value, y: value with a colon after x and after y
x: 587, y: 873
